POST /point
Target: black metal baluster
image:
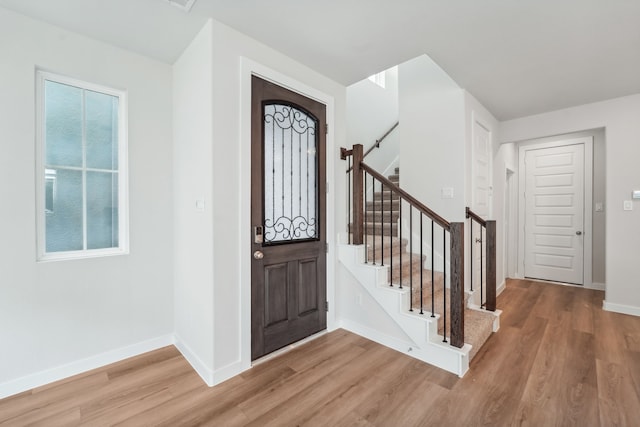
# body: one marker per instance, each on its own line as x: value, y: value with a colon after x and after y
x: 481, y: 268
x: 471, y: 255
x: 391, y: 236
x: 381, y: 225
x: 410, y: 258
x: 433, y: 267
x: 444, y: 283
x: 349, y: 196
x: 400, y: 237
x: 421, y: 267
x: 366, y: 218
x: 373, y: 210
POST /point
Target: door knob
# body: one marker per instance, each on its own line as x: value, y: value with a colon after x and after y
x: 258, y: 255
x: 579, y: 233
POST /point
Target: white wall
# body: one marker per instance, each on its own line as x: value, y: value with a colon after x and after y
x: 372, y: 111
x: 619, y: 118
x: 59, y: 318
x: 432, y: 136
x: 221, y: 279
x: 193, y: 233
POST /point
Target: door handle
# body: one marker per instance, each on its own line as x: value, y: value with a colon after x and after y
x: 258, y: 255
x: 579, y: 233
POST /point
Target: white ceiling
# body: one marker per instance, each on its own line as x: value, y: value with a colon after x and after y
x: 517, y: 57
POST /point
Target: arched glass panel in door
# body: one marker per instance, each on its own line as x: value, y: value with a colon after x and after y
x: 290, y: 174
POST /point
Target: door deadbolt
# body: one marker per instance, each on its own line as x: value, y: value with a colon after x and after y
x: 579, y: 233
x: 257, y: 234
x: 258, y: 255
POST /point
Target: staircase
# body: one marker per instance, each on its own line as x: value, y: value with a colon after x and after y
x: 396, y: 275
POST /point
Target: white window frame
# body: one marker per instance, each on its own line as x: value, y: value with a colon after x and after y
x: 123, y: 193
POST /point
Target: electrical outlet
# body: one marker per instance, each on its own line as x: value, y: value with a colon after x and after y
x: 599, y: 207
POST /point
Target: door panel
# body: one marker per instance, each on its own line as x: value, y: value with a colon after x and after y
x: 554, y: 213
x: 275, y: 293
x: 481, y: 194
x: 307, y: 297
x: 288, y: 275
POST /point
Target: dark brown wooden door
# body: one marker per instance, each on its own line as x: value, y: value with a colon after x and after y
x: 288, y: 274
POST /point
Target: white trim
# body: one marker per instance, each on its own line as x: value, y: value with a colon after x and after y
x: 47, y: 376
x: 523, y: 147
x: 501, y: 287
x: 249, y: 68
x: 597, y: 286
x: 621, y: 308
x: 123, y: 167
x: 196, y: 363
x: 510, y: 221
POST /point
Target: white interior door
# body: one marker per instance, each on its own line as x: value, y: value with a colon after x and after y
x: 481, y: 195
x: 480, y: 180
x: 554, y: 213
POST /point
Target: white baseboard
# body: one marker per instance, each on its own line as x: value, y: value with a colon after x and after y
x: 597, y: 286
x: 47, y: 376
x: 196, y: 363
x: 501, y: 287
x: 229, y: 371
x: 621, y: 308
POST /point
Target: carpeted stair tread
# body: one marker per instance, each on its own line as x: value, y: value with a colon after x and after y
x: 386, y: 204
x: 375, y: 215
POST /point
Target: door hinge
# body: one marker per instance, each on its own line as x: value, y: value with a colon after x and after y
x: 326, y: 187
x: 326, y: 306
x: 326, y: 247
x: 326, y: 129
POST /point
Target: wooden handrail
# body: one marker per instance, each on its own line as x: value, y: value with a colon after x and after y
x: 477, y: 218
x: 346, y: 152
x: 408, y: 197
x: 378, y: 141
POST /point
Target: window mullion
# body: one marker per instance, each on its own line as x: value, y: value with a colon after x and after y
x: 84, y: 171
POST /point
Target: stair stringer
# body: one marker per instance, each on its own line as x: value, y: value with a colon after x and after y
x: 426, y: 345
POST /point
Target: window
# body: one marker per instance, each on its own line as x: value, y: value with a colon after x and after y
x: 81, y: 169
x: 379, y: 79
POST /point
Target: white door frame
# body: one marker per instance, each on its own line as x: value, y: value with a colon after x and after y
x: 510, y: 220
x: 588, y: 200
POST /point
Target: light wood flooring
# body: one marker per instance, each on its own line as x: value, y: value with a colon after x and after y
x: 558, y: 360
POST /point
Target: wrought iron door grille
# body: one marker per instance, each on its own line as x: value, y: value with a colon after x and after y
x: 290, y: 174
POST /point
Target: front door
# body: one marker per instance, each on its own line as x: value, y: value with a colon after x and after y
x: 554, y: 213
x: 288, y: 274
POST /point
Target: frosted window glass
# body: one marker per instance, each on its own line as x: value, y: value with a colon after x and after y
x: 81, y: 179
x: 102, y: 210
x: 101, y: 115
x: 63, y: 124
x: 64, y: 223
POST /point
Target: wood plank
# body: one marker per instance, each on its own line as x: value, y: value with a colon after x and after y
x: 558, y: 359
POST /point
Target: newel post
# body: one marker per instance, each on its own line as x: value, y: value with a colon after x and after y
x: 457, y: 283
x: 491, y: 266
x: 358, y: 204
